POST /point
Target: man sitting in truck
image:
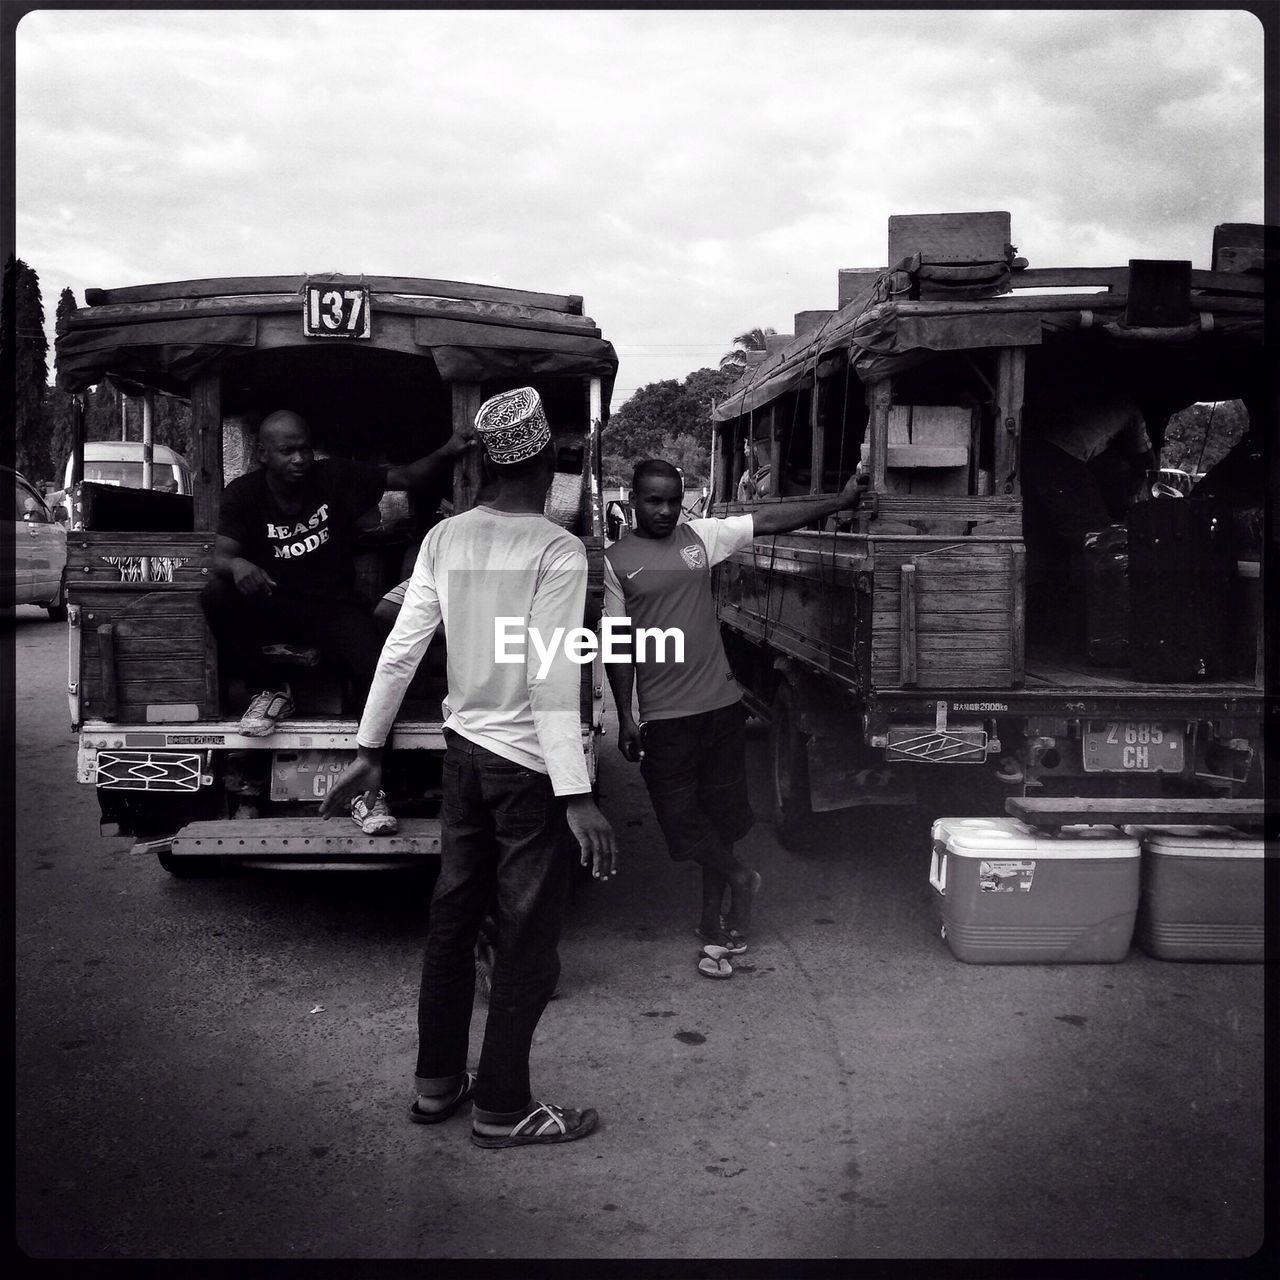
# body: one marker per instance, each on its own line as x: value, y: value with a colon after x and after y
x: 284, y: 570
x: 689, y: 737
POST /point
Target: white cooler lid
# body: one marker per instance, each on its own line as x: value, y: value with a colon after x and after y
x: 1200, y: 842
x: 1085, y: 841
x: 985, y: 837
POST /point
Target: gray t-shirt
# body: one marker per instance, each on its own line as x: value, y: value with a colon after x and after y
x: 664, y: 583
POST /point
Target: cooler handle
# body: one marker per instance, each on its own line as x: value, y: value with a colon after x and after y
x: 938, y: 870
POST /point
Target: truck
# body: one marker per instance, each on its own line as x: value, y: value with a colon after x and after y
x: 384, y: 369
x: 924, y: 632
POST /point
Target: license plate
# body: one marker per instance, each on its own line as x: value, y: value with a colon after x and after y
x: 306, y: 775
x: 1133, y: 746
x: 336, y: 311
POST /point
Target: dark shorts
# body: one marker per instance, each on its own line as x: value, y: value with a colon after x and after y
x: 695, y: 769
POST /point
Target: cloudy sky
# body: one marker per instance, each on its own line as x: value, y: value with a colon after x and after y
x: 691, y: 174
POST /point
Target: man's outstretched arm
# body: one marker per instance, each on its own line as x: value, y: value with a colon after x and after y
x: 414, y: 475
x: 784, y: 517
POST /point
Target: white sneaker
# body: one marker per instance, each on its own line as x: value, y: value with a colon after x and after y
x: 374, y: 819
x: 268, y: 707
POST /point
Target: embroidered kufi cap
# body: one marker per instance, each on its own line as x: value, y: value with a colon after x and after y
x: 512, y: 425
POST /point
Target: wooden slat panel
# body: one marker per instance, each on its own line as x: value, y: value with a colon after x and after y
x: 107, y: 668
x: 138, y: 692
x: 999, y: 602
x: 158, y: 628
x: 933, y: 622
x: 145, y: 648
x: 206, y: 447
x: 138, y: 666
x: 1018, y: 613
x: 907, y: 625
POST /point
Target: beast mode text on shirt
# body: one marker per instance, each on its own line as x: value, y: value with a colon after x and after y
x: 297, y: 539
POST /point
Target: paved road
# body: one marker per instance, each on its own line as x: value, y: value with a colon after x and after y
x: 221, y: 1068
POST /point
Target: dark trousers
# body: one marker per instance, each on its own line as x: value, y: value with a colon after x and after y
x: 342, y: 629
x: 505, y: 848
x: 695, y: 770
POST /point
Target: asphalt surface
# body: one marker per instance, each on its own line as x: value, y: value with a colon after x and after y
x: 222, y: 1068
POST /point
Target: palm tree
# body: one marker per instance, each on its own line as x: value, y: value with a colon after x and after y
x: 752, y: 340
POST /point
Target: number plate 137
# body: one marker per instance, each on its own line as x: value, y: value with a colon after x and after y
x: 336, y: 311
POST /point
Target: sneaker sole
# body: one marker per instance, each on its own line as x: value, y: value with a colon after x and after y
x: 378, y: 827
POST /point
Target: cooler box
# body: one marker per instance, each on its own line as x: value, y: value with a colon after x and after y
x: 1202, y: 893
x: 1013, y: 895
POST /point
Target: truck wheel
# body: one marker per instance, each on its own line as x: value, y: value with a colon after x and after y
x: 191, y: 868
x: 57, y: 611
x: 791, y: 812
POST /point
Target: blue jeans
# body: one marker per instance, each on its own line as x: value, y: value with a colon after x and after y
x: 506, y: 845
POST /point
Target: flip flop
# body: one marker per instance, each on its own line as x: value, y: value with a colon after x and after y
x: 418, y: 1116
x: 714, y: 966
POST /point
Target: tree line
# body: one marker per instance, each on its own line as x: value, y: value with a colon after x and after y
x: 43, y: 422
x: 671, y: 419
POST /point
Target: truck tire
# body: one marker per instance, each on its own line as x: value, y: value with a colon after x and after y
x: 57, y: 611
x: 792, y: 815
x: 191, y: 868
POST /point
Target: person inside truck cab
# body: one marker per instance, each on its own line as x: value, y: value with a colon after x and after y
x: 283, y: 562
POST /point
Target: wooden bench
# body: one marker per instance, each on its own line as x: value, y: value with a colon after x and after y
x: 1052, y: 812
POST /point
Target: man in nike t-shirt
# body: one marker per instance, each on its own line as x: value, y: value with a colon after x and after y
x: 689, y: 737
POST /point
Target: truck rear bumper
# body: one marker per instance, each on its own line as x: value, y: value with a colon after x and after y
x: 302, y: 843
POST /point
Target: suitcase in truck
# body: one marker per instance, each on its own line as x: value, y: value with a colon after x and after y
x: 1106, y: 596
x: 1180, y: 583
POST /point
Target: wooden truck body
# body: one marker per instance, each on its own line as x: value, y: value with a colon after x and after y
x: 908, y: 639
x: 383, y: 369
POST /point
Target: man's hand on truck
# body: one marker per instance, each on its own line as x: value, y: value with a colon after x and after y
x: 362, y: 775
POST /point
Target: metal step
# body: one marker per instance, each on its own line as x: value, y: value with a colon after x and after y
x: 307, y: 839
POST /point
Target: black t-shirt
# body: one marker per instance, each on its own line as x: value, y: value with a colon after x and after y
x: 309, y: 552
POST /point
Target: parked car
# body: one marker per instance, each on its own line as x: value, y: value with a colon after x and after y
x: 39, y: 548
x: 119, y: 462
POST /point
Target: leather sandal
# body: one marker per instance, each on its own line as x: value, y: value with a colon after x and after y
x: 545, y: 1124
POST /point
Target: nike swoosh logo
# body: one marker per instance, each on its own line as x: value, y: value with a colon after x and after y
x: 632, y: 575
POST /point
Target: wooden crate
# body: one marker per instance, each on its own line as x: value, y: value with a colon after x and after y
x: 949, y: 237
x: 146, y: 654
x: 947, y: 615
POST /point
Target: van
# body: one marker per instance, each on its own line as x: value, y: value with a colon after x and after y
x: 119, y: 462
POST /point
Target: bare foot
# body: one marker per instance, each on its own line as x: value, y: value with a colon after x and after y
x: 743, y: 896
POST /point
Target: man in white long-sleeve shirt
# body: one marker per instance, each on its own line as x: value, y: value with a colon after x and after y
x: 514, y: 772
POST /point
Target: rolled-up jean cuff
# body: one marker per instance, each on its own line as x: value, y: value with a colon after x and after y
x: 502, y: 1117
x: 437, y: 1086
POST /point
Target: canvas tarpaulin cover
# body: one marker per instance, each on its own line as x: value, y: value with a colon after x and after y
x: 172, y: 352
